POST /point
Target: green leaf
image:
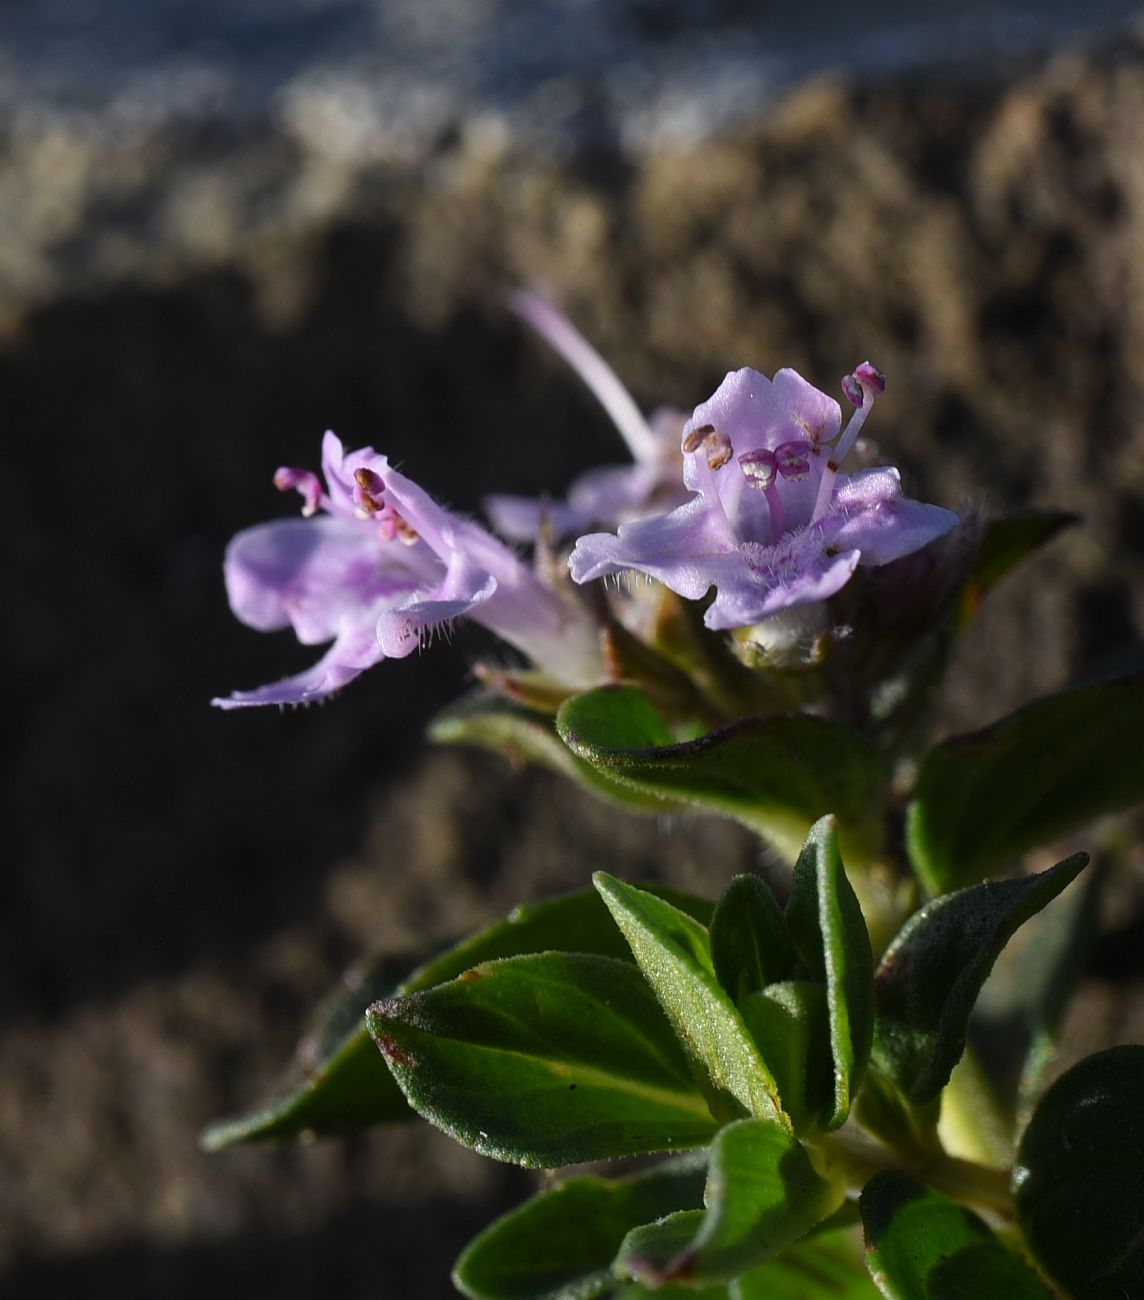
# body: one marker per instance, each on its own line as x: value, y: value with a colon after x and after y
x: 339, y: 1083
x: 575, y: 922
x: 983, y: 799
x: 750, y: 945
x: 826, y: 1266
x: 922, y: 1246
x: 790, y: 1024
x: 830, y: 936
x: 674, y: 953
x: 523, y: 735
x: 560, y: 1245
x: 762, y: 1193
x: 930, y: 976
x: 1005, y: 542
x: 648, y: 1252
x: 1079, y: 1177
x: 544, y: 1060
x: 777, y: 774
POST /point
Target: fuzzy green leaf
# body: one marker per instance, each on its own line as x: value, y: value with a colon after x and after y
x: 339, y: 1083
x: 790, y: 1023
x: 762, y: 1194
x: 830, y: 936
x: 777, y: 774
x: 825, y: 1266
x: 930, y: 976
x: 1079, y: 1177
x: 983, y: 799
x: 922, y: 1246
x: 674, y: 953
x: 750, y: 945
x: 544, y: 1060
x: 560, y: 1245
x: 487, y: 720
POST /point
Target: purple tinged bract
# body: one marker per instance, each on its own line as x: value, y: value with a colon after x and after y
x: 772, y: 522
x: 612, y: 494
x: 374, y: 567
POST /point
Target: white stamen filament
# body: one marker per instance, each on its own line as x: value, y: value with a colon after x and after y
x: 838, y: 452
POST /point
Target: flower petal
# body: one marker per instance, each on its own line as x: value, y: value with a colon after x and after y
x: 880, y: 522
x: 401, y: 629
x: 305, y: 573
x: 677, y: 548
x: 808, y: 414
x: 350, y: 655
x: 800, y: 570
x: 524, y: 519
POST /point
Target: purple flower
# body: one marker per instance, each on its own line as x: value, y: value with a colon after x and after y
x: 374, y: 567
x: 772, y: 523
x: 613, y: 494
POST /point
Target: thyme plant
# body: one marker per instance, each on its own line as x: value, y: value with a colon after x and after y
x: 792, y: 1073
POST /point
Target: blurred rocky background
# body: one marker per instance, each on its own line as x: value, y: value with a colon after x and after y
x: 229, y: 226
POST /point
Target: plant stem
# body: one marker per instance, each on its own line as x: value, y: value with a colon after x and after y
x: 964, y: 1180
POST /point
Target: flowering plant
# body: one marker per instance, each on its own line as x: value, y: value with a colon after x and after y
x: 802, y: 1069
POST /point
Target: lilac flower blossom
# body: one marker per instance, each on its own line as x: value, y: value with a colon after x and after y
x: 772, y: 523
x: 374, y: 567
x: 613, y: 494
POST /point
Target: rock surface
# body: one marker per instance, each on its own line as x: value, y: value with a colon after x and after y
x: 187, y: 884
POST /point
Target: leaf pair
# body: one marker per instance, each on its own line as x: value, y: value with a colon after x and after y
x: 802, y: 981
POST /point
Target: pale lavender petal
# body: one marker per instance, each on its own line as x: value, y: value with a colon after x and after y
x: 675, y: 548
x: 350, y: 655
x: 800, y: 570
x: 524, y: 519
x: 488, y: 581
x: 401, y: 629
x: 305, y: 573
x: 881, y: 523
x: 743, y: 406
x: 807, y: 412
x: 602, y: 497
x: 613, y: 493
x: 431, y: 521
x: 866, y: 488
x: 339, y: 484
